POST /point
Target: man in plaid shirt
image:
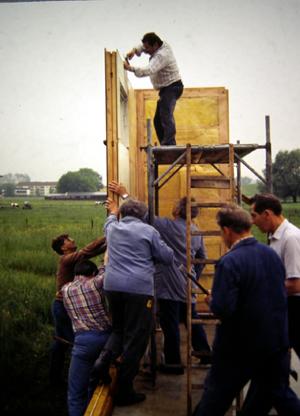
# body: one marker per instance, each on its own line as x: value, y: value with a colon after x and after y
x: 85, y: 306
x: 165, y: 78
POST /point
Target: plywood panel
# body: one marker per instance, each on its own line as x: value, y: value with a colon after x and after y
x: 117, y: 120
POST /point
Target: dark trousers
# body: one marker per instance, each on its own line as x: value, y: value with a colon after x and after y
x: 62, y: 329
x: 294, y: 323
x: 171, y: 313
x: 164, y: 121
x: 269, y: 385
x: 132, y: 317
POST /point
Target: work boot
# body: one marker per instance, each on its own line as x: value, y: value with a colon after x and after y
x: 123, y: 399
x: 100, y: 370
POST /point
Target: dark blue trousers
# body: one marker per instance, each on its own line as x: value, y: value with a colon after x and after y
x: 132, y: 320
x: 164, y: 121
x: 62, y: 329
x: 171, y: 313
x: 269, y: 385
x: 294, y: 323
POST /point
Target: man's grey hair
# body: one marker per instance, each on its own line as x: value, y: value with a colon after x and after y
x: 234, y: 217
x: 180, y: 208
x: 133, y: 208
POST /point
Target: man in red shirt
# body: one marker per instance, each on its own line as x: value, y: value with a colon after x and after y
x: 64, y: 335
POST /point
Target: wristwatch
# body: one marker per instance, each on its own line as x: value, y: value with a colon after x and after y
x: 124, y: 196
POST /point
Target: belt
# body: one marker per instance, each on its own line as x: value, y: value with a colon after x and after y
x: 174, y: 84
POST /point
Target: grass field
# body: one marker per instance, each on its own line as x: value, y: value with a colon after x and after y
x: 27, y: 276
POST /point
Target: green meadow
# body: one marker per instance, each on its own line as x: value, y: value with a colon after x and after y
x: 27, y: 287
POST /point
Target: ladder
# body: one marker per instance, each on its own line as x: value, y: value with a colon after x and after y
x: 223, y: 180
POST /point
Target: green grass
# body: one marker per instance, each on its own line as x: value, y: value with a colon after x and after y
x: 27, y: 287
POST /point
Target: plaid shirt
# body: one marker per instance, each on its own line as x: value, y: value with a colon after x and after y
x: 84, y: 304
x: 162, y: 68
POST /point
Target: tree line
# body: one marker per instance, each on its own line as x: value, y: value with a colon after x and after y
x: 285, y: 175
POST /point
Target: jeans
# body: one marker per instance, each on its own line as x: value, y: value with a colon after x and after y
x: 269, y: 387
x: 86, y: 349
x: 171, y: 313
x: 63, y: 329
x: 164, y: 121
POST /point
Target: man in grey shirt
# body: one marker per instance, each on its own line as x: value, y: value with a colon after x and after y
x: 165, y: 78
x: 171, y: 285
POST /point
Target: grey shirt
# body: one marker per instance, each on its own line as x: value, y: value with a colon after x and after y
x: 170, y: 282
x: 133, y: 248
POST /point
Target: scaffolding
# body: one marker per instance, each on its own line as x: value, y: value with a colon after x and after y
x: 223, y: 159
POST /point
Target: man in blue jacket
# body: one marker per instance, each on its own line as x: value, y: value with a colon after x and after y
x: 251, y: 343
x: 133, y: 249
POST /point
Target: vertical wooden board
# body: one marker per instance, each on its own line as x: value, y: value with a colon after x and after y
x: 223, y: 117
x: 133, y: 162
x: 141, y: 170
x: 111, y: 119
x: 122, y: 122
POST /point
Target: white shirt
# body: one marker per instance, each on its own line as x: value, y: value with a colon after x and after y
x: 286, y: 242
x: 162, y: 68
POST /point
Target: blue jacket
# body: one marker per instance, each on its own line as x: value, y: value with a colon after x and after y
x: 249, y: 297
x: 133, y: 249
x: 170, y: 282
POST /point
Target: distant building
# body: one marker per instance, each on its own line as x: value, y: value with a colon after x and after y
x: 79, y: 196
x: 35, y: 188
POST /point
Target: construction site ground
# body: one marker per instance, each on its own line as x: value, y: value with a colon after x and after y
x: 169, y: 396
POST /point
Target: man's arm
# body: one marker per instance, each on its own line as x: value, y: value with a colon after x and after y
x: 292, y: 286
x: 137, y: 50
x: 200, y: 254
x: 155, y: 65
x: 225, y: 292
x: 113, y: 214
x: 160, y: 250
x: 118, y: 188
x: 93, y: 249
x: 291, y: 251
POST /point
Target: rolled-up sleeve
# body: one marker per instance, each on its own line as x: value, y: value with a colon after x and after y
x: 155, y: 65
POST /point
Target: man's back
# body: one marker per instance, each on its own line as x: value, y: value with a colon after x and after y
x: 249, y: 297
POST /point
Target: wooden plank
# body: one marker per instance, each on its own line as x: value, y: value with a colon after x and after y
x: 218, y: 183
x: 101, y: 403
x: 208, y: 233
x: 141, y: 156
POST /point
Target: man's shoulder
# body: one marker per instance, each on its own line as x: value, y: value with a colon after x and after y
x: 291, y: 230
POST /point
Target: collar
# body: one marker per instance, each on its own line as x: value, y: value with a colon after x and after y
x: 279, y: 230
x: 129, y: 218
x: 240, y: 240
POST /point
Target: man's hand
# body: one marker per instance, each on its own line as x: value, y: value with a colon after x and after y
x: 117, y: 188
x: 131, y: 54
x: 127, y: 66
x: 112, y: 207
x: 208, y: 298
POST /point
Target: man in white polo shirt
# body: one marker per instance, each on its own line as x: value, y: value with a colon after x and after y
x: 284, y: 238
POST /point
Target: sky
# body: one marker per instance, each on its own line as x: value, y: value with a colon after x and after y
x: 52, y: 98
